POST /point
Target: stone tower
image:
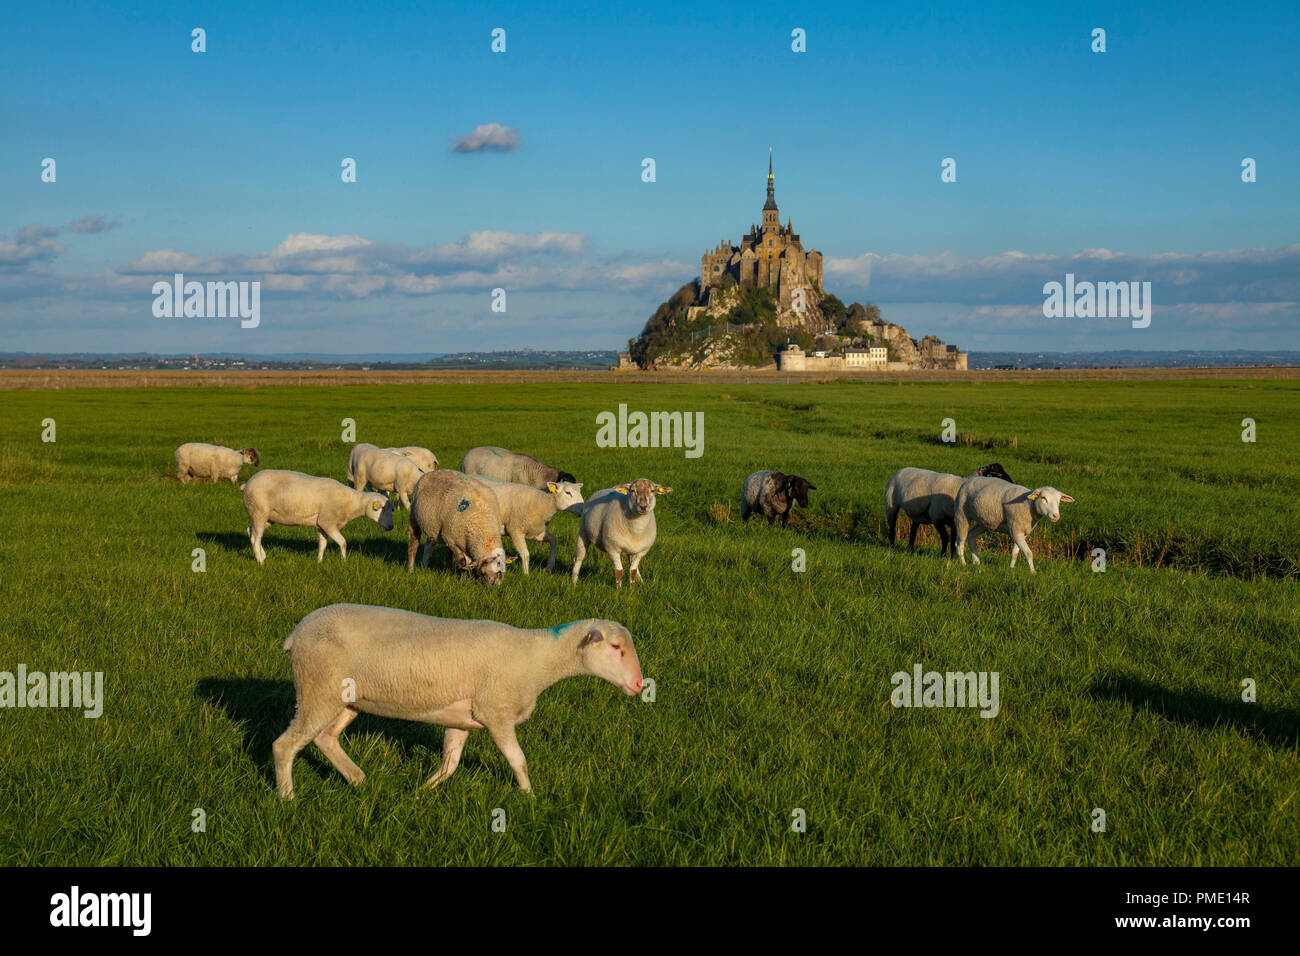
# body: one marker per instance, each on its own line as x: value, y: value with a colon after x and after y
x: 769, y: 256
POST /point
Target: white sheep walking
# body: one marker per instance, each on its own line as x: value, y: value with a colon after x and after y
x: 199, y: 460
x: 621, y: 522
x: 292, y: 498
x: 465, y: 675
x: 990, y: 504
x: 914, y: 492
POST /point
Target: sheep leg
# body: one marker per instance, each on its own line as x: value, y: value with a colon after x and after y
x: 453, y: 742
x: 255, y: 536
x: 785, y: 517
x: 503, y: 735
x: 616, y: 556
x: 633, y: 574
x: 321, y: 544
x: 307, y: 725
x: 1023, y: 545
x: 744, y: 514
x: 550, y: 561
x: 891, y: 518
x: 771, y: 519
x: 579, y: 552
x: 911, y: 538
x: 413, y: 545
x: 974, y: 540
x: 405, y: 499
x: 328, y: 742
x: 520, y: 544
x: 944, y: 539
x: 428, y: 553
x: 337, y: 537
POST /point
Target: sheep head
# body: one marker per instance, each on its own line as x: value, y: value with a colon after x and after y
x: 568, y: 495
x: 797, y: 488
x: 640, y: 495
x: 992, y: 470
x: 1047, y: 502
x: 606, y: 652
x: 380, y: 510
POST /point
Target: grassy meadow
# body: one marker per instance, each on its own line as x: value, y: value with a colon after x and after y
x: 1119, y: 690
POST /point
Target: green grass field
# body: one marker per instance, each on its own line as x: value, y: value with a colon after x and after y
x: 1119, y: 690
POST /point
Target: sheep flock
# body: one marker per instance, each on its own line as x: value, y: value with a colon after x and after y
x: 486, y: 675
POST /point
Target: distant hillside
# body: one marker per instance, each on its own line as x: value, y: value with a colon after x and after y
x: 1130, y: 358
x: 517, y: 359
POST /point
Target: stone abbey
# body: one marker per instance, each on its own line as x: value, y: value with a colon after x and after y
x: 769, y: 256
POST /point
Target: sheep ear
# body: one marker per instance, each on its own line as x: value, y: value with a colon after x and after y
x: 552, y: 487
x: 592, y: 637
x: 621, y: 489
x: 662, y: 489
x: 1067, y: 498
x: 511, y: 559
x: 1033, y: 495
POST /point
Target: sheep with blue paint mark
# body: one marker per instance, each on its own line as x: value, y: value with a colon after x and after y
x: 460, y: 512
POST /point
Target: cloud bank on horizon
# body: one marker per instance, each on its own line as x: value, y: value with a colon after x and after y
x: 435, y: 219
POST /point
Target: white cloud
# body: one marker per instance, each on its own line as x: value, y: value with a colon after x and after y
x: 1256, y: 275
x: 489, y: 136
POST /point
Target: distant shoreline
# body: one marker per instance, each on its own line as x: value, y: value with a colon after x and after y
x: 54, y: 379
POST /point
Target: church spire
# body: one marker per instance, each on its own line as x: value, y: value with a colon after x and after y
x: 771, y: 188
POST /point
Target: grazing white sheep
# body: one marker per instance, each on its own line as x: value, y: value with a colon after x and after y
x: 424, y: 459
x: 990, y: 504
x: 620, y: 521
x: 383, y: 471
x: 526, y: 512
x: 464, y: 675
x: 199, y: 460
x: 291, y: 498
x: 943, y: 502
x: 773, y: 494
x: 912, y: 490
x: 461, y: 513
x: 504, y: 465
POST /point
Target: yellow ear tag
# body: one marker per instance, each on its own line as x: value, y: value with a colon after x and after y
x: 621, y: 491
x: 1033, y: 496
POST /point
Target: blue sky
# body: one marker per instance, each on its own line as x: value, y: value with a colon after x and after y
x: 1117, y: 166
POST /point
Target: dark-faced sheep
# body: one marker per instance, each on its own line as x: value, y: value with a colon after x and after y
x: 773, y: 494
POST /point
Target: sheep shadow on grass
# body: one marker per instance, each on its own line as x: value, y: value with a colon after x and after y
x: 262, y: 709
x: 386, y: 548
x: 1277, y: 726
